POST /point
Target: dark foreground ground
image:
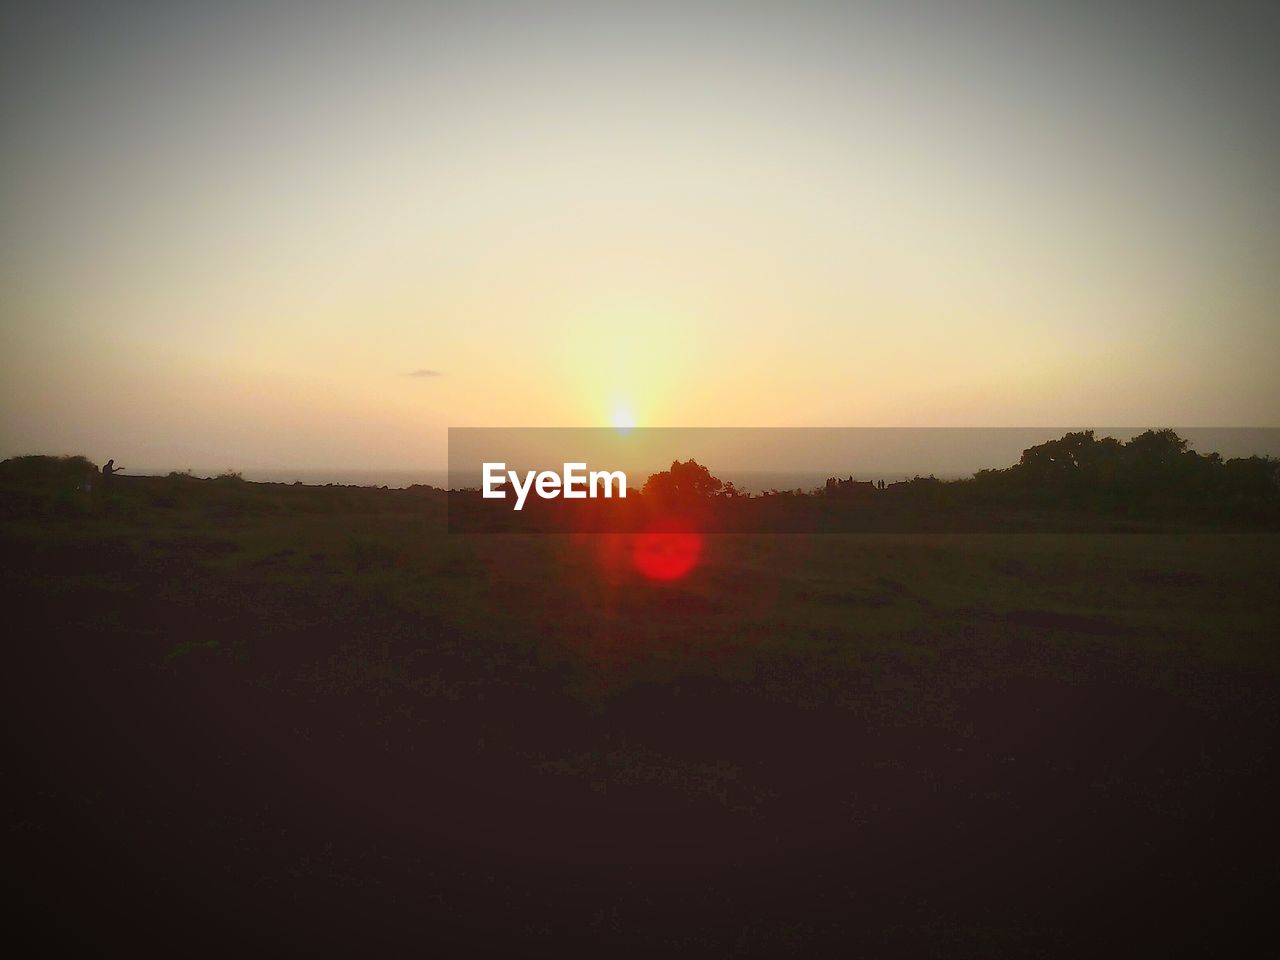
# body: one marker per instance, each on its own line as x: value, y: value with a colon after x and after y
x: 258, y: 717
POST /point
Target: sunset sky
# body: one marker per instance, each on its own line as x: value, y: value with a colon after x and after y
x: 240, y: 235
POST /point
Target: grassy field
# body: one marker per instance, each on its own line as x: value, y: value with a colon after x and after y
x: 311, y: 717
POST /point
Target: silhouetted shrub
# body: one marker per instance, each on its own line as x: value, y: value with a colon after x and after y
x: 685, y: 483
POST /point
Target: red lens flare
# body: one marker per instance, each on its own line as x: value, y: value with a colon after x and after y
x: 666, y: 554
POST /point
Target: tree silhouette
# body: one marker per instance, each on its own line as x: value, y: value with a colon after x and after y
x: 1072, y: 458
x: 1158, y: 446
x: 685, y: 483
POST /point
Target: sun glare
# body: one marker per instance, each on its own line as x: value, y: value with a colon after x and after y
x: 666, y: 554
x: 623, y: 419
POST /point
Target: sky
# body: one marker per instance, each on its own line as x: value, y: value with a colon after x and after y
x: 318, y: 234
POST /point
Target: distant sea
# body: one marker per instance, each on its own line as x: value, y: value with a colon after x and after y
x: 319, y: 476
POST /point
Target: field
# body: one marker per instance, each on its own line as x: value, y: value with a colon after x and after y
x: 308, y: 717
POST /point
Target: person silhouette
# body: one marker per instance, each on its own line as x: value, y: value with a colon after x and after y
x: 109, y: 470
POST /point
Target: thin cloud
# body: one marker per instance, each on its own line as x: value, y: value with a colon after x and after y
x: 423, y: 374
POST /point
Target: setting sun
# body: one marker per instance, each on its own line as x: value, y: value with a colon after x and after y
x: 623, y: 419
